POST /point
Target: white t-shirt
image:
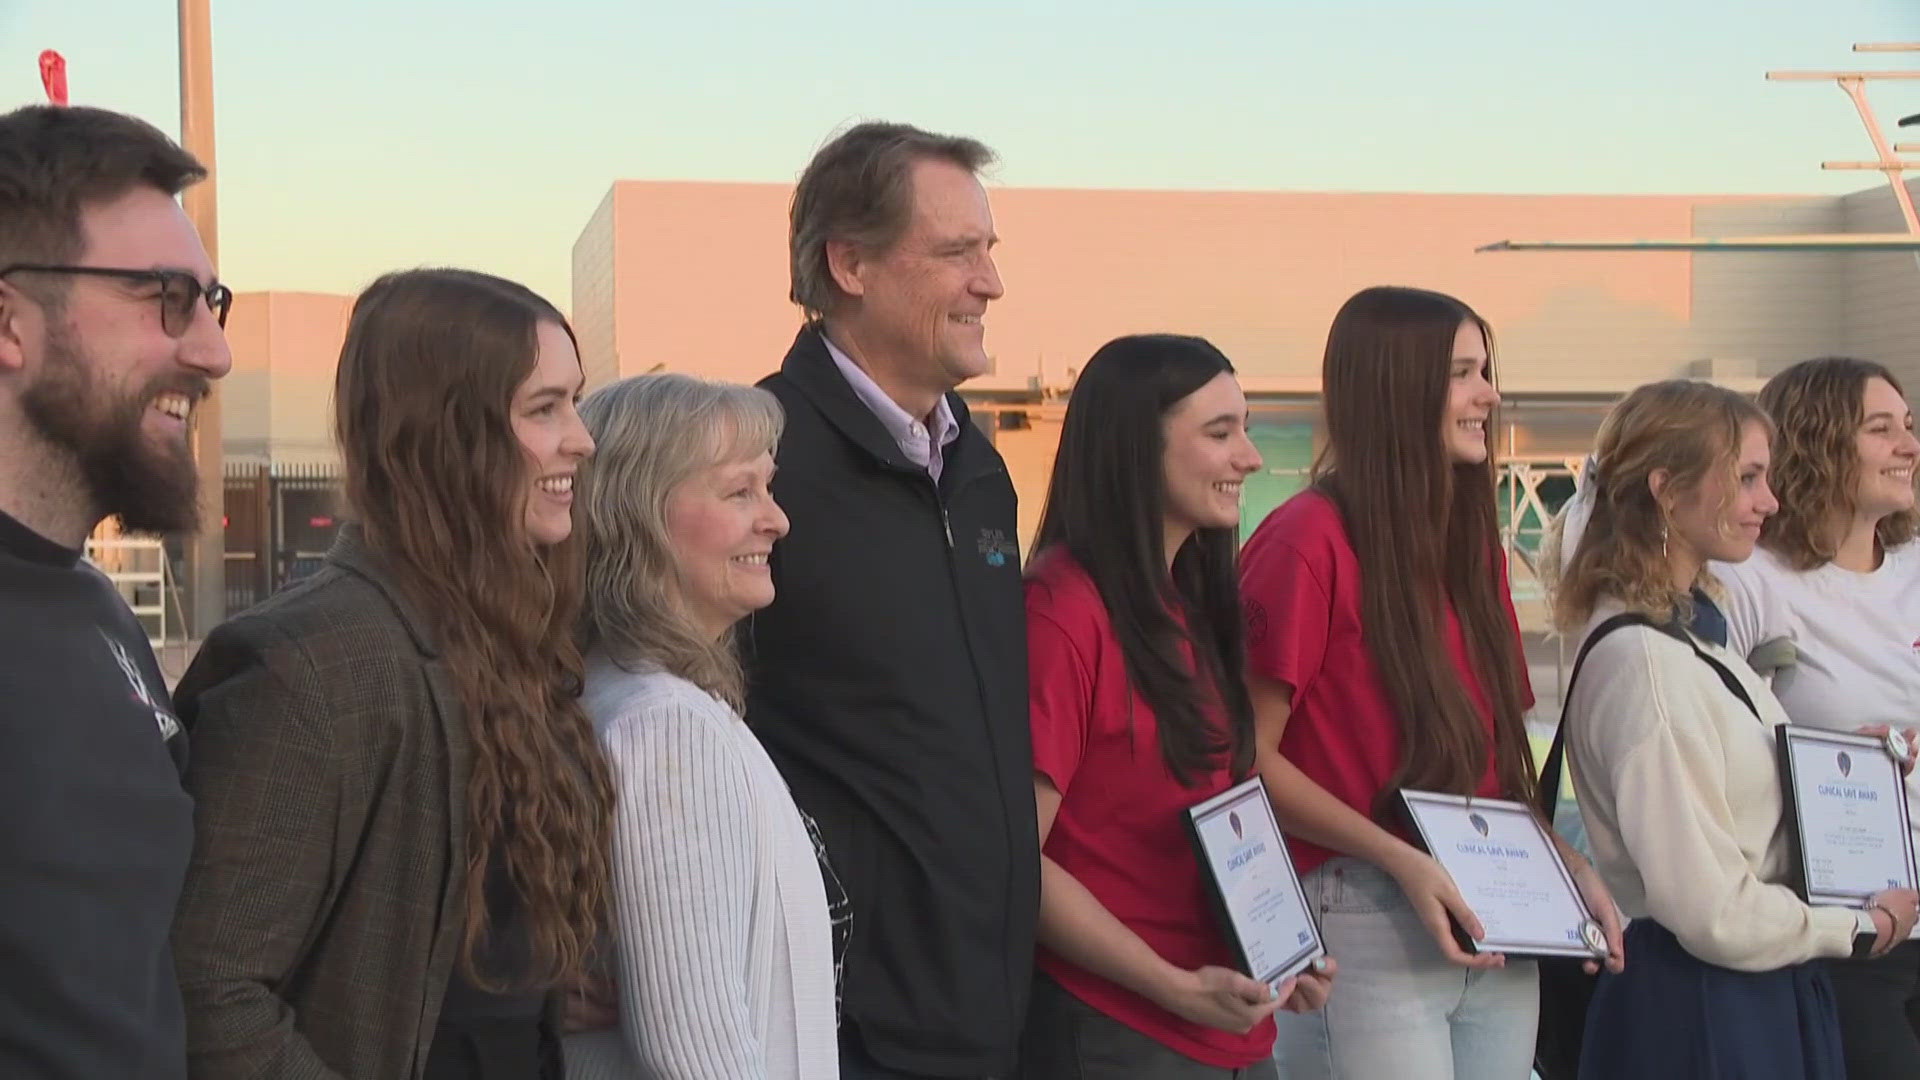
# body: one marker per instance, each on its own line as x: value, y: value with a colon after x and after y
x: 1857, y: 635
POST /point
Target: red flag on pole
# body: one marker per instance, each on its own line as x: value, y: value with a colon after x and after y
x: 53, y: 76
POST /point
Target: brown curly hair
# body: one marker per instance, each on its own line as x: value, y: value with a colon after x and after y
x: 1684, y: 427
x: 438, y: 480
x: 1818, y: 405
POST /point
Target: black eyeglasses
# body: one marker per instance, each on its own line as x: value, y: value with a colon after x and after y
x: 179, y: 291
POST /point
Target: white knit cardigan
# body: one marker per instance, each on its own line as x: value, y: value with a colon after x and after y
x: 720, y: 917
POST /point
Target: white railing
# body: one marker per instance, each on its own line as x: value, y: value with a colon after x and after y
x: 140, y: 570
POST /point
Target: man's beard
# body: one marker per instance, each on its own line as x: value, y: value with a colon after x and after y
x: 151, y: 490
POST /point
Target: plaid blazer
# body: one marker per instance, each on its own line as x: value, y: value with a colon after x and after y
x: 323, y: 907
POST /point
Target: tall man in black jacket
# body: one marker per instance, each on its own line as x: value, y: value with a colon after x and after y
x: 889, y: 677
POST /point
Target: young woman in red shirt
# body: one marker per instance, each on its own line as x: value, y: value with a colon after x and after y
x: 1383, y: 653
x: 1134, y: 646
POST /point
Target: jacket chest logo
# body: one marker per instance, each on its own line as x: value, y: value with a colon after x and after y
x: 996, y: 550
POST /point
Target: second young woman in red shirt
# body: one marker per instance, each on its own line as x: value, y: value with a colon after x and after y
x: 1134, y: 646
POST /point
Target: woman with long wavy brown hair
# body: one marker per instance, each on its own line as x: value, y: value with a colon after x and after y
x: 402, y: 813
x: 1383, y: 653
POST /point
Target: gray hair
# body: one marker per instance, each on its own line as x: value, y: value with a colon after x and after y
x: 859, y: 187
x: 651, y: 434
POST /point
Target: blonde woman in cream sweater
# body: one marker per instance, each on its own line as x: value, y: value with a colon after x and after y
x: 1671, y: 744
x: 723, y: 906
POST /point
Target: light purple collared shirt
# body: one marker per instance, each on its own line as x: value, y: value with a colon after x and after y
x: 918, y: 444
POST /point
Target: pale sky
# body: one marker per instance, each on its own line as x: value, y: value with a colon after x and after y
x: 355, y: 136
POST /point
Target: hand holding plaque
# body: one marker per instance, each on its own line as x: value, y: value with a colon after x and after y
x: 1255, y: 888
x: 1903, y: 744
x: 1847, y: 813
x: 1509, y: 872
x: 1437, y: 902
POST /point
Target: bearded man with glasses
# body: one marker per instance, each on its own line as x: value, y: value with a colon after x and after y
x: 110, y: 334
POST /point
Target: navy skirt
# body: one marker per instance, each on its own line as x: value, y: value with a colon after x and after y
x: 1670, y: 1014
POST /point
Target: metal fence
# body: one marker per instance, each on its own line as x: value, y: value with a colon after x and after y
x: 280, y: 521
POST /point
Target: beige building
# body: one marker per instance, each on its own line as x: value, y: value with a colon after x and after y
x: 693, y: 277
x: 282, y: 499
x: 276, y: 403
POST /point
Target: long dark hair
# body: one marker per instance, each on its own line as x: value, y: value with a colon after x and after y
x: 1106, y: 507
x: 1384, y: 386
x: 439, y: 482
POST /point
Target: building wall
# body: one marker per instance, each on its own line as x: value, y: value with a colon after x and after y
x: 1262, y: 274
x: 278, y: 400
x: 698, y: 281
x: 700, y: 278
x: 1029, y: 452
x: 1881, y: 316
x: 693, y: 277
x: 593, y: 299
x: 307, y: 330
x: 246, y: 394
x: 1763, y: 311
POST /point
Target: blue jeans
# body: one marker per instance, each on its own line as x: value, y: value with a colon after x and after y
x: 1399, y: 1008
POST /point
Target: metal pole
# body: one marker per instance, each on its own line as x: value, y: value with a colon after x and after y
x: 206, y: 550
x: 1856, y: 89
x: 1854, y: 83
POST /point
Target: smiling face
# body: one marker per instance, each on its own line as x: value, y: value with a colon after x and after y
x: 1471, y: 398
x: 550, y: 431
x: 1720, y: 519
x: 722, y: 523
x: 103, y: 384
x: 1885, y: 451
x: 1208, y: 456
x: 919, y: 305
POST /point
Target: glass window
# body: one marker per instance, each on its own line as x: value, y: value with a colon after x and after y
x: 1285, y: 436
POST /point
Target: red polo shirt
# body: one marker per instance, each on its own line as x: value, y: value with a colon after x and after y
x: 1300, y: 587
x: 1121, y: 829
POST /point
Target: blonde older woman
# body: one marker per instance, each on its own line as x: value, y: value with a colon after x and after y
x: 725, y: 944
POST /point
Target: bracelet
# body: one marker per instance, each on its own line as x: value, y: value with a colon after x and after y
x: 1891, y: 917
